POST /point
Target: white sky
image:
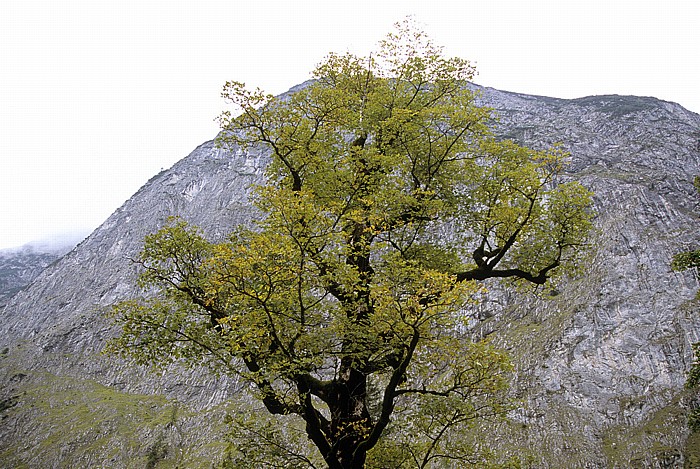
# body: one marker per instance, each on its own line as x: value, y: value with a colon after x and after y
x: 96, y: 96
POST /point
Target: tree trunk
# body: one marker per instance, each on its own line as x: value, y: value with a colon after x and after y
x: 350, y: 420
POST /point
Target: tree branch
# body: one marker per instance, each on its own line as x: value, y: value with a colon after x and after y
x: 389, y: 395
x: 484, y: 272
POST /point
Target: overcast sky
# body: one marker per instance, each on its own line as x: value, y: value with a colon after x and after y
x: 98, y: 96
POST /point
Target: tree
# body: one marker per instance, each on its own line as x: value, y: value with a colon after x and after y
x: 387, y: 203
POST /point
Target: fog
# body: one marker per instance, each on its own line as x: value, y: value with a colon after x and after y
x: 57, y: 243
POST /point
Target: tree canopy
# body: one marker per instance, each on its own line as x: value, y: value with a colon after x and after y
x: 347, y: 305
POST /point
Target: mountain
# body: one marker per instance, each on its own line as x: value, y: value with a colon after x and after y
x: 601, y: 358
x: 20, y: 266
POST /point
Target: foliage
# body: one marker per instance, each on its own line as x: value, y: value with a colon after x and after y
x: 686, y: 260
x: 258, y: 439
x: 347, y: 305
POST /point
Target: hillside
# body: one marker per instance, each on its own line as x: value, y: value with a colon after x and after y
x: 601, y: 360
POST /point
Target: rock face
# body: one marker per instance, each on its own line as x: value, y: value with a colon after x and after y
x: 603, y: 363
x: 601, y: 360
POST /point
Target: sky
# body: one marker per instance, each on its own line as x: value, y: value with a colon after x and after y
x: 97, y: 96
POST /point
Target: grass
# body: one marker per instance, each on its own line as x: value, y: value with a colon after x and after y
x: 81, y: 423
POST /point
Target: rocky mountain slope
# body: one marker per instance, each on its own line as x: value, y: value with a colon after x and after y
x: 18, y: 267
x: 601, y: 359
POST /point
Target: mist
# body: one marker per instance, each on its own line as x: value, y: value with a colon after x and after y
x: 58, y: 243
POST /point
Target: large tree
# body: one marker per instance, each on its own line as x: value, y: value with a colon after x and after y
x: 347, y: 305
